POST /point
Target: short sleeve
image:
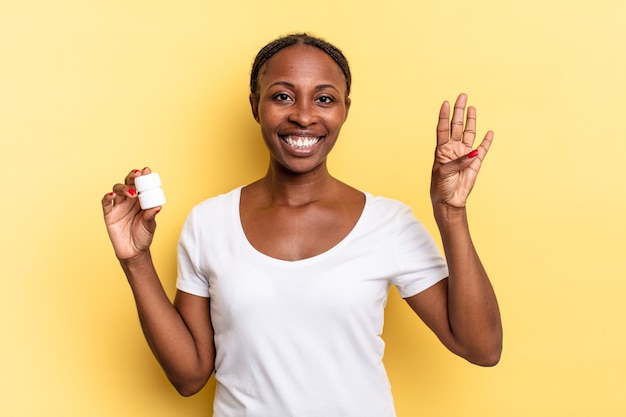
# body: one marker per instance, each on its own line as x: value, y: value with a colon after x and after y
x: 420, y: 262
x: 190, y: 278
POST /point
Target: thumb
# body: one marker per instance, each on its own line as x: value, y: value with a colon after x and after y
x: 151, y: 212
x: 149, y: 217
x: 463, y: 162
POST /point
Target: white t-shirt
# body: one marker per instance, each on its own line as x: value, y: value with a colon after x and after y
x: 303, y: 338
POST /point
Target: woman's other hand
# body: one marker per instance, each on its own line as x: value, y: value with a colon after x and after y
x: 456, y: 165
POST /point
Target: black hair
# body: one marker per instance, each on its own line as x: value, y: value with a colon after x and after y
x: 272, y: 48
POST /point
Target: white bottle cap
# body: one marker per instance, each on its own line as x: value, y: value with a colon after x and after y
x: 150, y: 193
x: 145, y: 182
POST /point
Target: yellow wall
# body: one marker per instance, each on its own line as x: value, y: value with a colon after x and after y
x: 91, y: 89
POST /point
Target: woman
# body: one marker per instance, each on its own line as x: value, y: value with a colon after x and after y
x: 282, y: 283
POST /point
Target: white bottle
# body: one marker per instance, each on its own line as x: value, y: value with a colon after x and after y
x: 150, y: 193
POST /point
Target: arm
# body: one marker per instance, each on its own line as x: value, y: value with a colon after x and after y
x: 179, y: 334
x: 462, y: 310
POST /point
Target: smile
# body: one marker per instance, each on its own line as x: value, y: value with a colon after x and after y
x: 301, y: 142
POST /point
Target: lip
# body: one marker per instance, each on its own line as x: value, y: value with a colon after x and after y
x: 301, y: 143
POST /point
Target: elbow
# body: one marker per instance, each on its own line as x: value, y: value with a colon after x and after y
x: 487, y: 359
x: 187, y: 392
x: 190, y: 385
x: 487, y: 356
x: 189, y: 388
x: 484, y: 352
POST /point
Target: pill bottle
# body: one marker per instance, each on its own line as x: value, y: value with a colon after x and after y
x: 150, y: 193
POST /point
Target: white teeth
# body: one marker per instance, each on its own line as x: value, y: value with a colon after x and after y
x: 300, y: 142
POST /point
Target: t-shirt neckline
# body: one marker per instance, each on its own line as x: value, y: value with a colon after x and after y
x: 262, y: 256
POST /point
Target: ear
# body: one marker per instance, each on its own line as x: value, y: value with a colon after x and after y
x: 348, y: 103
x: 254, y: 105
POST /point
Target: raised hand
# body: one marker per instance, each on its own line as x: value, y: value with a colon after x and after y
x: 456, y: 165
x: 130, y: 229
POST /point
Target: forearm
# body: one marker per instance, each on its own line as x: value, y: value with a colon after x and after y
x: 473, y: 311
x: 168, y: 336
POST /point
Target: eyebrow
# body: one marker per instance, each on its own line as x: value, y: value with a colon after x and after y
x: 317, y: 87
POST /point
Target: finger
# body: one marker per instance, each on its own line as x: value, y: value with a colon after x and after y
x: 149, y: 218
x: 471, y: 159
x: 481, y: 152
x: 150, y: 214
x: 485, y: 144
x: 130, y: 178
x: 123, y: 190
x: 477, y: 154
x: 108, y: 201
x: 443, y: 126
x: 469, y: 133
x: 456, y: 126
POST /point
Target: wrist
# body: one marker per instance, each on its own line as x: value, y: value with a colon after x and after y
x: 137, y: 261
x: 449, y: 215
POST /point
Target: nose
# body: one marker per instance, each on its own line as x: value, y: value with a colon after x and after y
x: 302, y: 113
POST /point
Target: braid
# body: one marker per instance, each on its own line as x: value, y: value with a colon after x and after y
x: 269, y: 50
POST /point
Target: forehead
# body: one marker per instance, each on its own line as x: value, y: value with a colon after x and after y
x: 302, y: 63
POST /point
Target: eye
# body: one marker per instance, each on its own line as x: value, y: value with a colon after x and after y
x: 282, y: 97
x: 325, y: 99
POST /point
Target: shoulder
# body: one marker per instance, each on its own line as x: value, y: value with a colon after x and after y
x: 217, y: 203
x: 212, y: 210
x: 387, y: 207
x: 394, y: 217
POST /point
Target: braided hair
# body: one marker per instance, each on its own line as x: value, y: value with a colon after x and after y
x: 272, y: 48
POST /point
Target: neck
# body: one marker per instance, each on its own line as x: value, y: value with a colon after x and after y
x: 293, y: 189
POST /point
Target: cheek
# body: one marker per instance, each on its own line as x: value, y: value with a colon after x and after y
x: 268, y: 123
x: 339, y: 120
x: 269, y: 118
x: 265, y: 121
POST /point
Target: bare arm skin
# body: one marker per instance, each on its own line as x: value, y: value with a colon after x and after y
x: 179, y: 334
x: 461, y: 310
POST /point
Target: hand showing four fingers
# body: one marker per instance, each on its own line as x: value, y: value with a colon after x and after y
x: 456, y: 165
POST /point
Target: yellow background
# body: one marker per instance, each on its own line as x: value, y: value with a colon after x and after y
x: 92, y: 89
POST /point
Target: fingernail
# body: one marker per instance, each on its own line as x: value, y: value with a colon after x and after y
x: 473, y: 154
x: 136, y: 171
x: 157, y: 212
x: 132, y: 191
x: 111, y: 194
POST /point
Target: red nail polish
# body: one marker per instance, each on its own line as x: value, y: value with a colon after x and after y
x: 136, y: 171
x: 111, y: 194
x: 132, y: 192
x: 473, y: 154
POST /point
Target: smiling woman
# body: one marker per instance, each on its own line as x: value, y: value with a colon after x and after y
x: 301, y: 101
x: 282, y: 283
